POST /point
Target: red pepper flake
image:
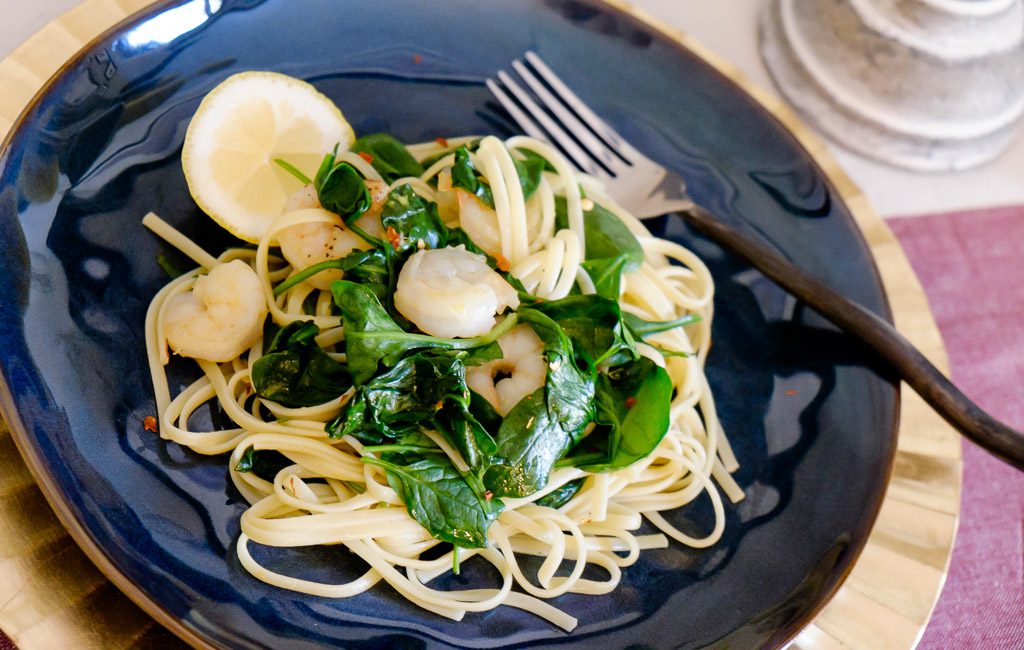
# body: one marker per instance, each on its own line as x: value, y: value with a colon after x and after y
x: 442, y: 141
x: 790, y: 391
x: 393, y: 237
x: 367, y: 157
x: 630, y: 402
x: 503, y: 263
x: 149, y: 424
x: 488, y: 495
x: 417, y: 59
x: 439, y: 405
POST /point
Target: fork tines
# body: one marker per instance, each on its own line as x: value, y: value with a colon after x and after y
x: 551, y: 112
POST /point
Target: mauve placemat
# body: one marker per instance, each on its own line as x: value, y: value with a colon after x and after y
x: 972, y: 267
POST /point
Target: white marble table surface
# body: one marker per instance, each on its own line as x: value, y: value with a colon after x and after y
x: 728, y: 27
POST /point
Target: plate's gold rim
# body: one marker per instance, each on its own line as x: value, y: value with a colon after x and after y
x: 886, y: 599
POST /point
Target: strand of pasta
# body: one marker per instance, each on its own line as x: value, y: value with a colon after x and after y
x: 551, y: 272
x: 422, y: 151
x: 491, y: 158
x: 569, y: 183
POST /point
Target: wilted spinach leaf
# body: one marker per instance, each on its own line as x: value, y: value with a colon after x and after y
x: 569, y: 387
x: 444, y: 503
x: 414, y: 219
x: 544, y: 425
x: 341, y: 189
x: 402, y: 399
x: 633, y: 403
x: 611, y: 248
x: 561, y: 496
x: 465, y: 176
x: 264, y: 463
x: 530, y: 170
x: 529, y: 441
x: 426, y: 390
x: 388, y: 156
x: 368, y: 267
x: 643, y: 328
x: 594, y: 323
x: 296, y: 371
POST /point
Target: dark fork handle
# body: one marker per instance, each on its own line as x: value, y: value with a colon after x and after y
x: 912, y: 366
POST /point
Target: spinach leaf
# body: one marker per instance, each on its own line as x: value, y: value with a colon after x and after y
x: 370, y: 268
x: 370, y: 333
x: 264, y: 463
x: 402, y: 399
x: 633, y: 403
x: 643, y: 328
x: 530, y: 440
x: 372, y: 336
x: 293, y: 170
x: 388, y: 156
x: 426, y: 390
x: 465, y: 176
x: 483, y: 411
x: 296, y: 371
x: 341, y: 188
x: 595, y: 325
x: 611, y: 248
x: 558, y: 498
x: 441, y: 500
x: 412, y: 442
x: 457, y: 422
x: 544, y: 425
x: 530, y: 169
x: 569, y: 387
x: 409, y: 219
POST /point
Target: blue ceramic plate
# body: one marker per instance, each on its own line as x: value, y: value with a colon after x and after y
x: 811, y: 418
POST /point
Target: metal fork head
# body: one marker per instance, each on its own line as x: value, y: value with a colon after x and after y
x: 548, y: 110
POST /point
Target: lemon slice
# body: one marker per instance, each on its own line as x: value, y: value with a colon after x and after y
x: 241, y: 126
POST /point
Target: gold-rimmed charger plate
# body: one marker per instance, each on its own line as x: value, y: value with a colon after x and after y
x: 52, y: 596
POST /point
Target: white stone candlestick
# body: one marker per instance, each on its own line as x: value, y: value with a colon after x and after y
x: 924, y: 84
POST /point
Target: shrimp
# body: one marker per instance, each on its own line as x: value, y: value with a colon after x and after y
x: 301, y: 199
x: 479, y: 222
x: 522, y: 361
x: 221, y: 317
x: 458, y: 207
x: 451, y: 292
x: 306, y: 244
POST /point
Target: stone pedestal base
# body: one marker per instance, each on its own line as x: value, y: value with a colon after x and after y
x: 924, y: 84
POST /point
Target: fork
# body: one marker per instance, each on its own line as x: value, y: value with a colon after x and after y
x: 551, y: 112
